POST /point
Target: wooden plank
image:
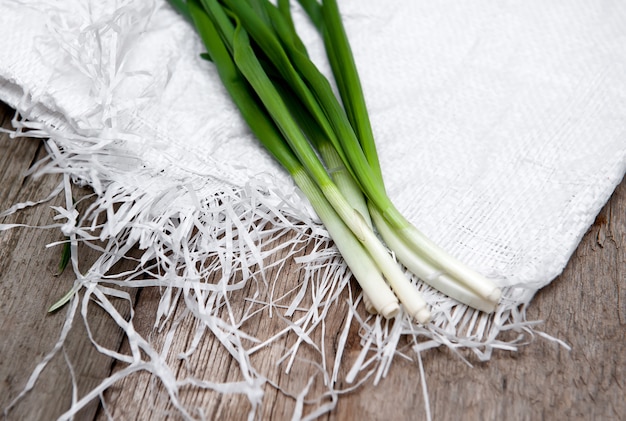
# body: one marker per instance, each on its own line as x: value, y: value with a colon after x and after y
x: 29, y: 286
x: 542, y: 380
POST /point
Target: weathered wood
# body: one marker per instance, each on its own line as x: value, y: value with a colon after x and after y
x: 29, y: 286
x: 585, y: 307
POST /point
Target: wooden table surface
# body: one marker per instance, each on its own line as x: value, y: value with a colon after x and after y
x: 585, y: 307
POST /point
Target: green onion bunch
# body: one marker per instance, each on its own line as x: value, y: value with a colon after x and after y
x: 327, y: 146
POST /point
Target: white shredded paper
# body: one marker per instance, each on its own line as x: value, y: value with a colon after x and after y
x: 501, y: 131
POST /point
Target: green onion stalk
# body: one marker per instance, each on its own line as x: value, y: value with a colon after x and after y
x: 291, y: 108
x: 420, y: 255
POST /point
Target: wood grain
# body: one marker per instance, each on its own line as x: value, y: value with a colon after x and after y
x: 29, y: 286
x: 585, y: 307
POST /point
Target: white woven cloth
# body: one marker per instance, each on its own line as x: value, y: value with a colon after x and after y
x: 501, y: 129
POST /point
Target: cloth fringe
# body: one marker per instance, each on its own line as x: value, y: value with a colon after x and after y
x: 184, y: 239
